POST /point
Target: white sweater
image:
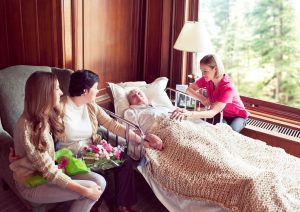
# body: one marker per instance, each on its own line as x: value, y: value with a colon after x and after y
x: 78, y: 126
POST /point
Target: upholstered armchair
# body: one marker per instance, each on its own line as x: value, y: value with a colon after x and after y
x: 12, y: 84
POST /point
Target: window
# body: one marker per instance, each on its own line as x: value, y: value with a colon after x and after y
x: 259, y: 43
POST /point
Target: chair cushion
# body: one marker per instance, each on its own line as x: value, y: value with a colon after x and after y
x: 12, y: 84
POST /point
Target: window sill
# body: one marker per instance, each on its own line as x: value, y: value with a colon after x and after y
x: 276, y: 114
x: 273, y: 113
x: 274, y: 119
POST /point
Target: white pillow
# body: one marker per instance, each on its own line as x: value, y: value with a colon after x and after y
x: 154, y: 91
x: 132, y: 84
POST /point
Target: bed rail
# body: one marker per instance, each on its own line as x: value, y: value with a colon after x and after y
x: 133, y: 150
x: 182, y: 99
x: 178, y: 98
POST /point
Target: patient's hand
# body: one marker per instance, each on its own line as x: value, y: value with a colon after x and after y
x: 179, y: 114
x: 153, y: 141
x: 12, y: 156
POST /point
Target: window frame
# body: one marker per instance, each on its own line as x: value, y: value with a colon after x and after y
x: 282, y: 115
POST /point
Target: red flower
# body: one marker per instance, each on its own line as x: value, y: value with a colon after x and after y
x: 94, y: 148
x: 63, y: 163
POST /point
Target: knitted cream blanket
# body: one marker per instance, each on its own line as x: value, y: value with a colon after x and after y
x: 217, y: 164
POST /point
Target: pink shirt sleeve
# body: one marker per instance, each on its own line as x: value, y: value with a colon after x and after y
x: 201, y: 82
x: 226, y: 94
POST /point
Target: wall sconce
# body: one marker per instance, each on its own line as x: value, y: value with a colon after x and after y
x: 194, y: 38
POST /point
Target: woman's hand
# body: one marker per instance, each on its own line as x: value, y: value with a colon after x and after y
x: 180, y: 114
x: 206, y: 102
x: 93, y: 193
x: 12, y: 156
x: 97, y: 139
x: 153, y: 141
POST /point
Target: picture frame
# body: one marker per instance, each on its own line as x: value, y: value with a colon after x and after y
x: 181, y: 98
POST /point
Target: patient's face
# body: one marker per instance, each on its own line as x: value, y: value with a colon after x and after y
x: 137, y: 97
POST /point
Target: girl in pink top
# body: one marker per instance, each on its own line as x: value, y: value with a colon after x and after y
x: 215, y: 89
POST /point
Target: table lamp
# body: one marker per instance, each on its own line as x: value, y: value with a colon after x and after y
x: 194, y: 38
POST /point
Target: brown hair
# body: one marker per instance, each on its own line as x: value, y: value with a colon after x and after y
x: 39, y: 108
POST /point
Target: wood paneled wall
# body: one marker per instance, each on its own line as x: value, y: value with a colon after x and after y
x: 109, y: 39
x: 129, y: 40
x: 163, y: 23
x: 30, y: 32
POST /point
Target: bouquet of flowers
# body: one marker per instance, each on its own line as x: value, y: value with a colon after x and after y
x: 102, y: 156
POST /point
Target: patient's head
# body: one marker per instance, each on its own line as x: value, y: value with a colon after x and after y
x: 137, y: 97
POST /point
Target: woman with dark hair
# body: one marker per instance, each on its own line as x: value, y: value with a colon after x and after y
x: 82, y: 117
x: 216, y: 90
x: 33, y: 142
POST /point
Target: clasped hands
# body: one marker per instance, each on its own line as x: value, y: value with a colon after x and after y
x: 153, y: 141
x: 180, y: 114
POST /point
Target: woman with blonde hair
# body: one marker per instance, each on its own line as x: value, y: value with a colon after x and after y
x: 40, y: 120
x: 216, y: 90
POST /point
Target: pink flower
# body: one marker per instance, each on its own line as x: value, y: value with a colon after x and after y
x: 118, y: 155
x: 94, y: 148
x: 103, y: 141
x: 103, y: 150
x: 107, y: 147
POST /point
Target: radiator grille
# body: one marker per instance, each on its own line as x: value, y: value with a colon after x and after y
x: 274, y: 129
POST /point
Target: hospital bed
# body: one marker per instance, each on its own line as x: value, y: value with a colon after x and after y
x: 242, y: 163
x: 170, y: 200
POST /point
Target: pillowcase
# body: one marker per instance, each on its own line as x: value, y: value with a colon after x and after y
x: 109, y: 88
x: 154, y: 91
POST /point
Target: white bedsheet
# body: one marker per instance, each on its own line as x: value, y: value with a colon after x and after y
x: 174, y: 202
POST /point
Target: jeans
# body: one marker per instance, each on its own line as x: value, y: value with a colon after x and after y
x: 236, y: 123
x: 51, y: 193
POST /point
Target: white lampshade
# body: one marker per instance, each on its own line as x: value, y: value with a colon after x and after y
x: 194, y: 38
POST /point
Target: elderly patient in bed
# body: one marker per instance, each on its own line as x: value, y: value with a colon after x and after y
x: 214, y: 163
x: 141, y: 112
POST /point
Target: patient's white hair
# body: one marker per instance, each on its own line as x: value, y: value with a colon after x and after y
x: 133, y: 89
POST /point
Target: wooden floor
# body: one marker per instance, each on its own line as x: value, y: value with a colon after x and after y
x: 147, y: 202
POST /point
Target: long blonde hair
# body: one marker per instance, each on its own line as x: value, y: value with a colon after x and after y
x: 39, y: 108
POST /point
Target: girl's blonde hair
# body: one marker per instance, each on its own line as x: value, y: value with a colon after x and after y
x: 40, y: 108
